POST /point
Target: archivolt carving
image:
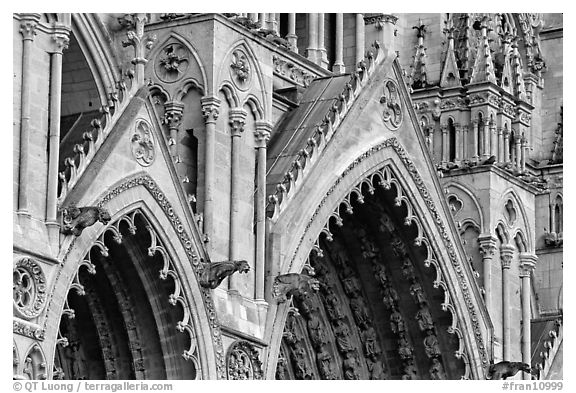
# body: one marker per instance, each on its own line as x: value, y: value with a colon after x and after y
x: 384, y: 177
x: 29, y: 288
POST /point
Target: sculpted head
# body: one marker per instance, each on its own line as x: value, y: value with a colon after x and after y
x: 242, y: 266
x: 103, y: 216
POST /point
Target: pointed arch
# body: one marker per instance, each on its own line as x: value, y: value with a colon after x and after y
x: 510, y: 194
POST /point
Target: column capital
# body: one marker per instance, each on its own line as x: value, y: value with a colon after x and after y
x: 173, y: 111
x: 210, y: 108
x: 506, y: 253
x: 60, y: 39
x: 237, y: 121
x: 527, y: 264
x: 262, y: 132
x: 487, y: 245
x: 28, y: 23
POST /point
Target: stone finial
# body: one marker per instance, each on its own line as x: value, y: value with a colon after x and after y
x: 214, y: 273
x: 291, y: 284
x: 76, y: 219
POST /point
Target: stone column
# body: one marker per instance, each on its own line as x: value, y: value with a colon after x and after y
x: 173, y: 119
x: 359, y: 38
x: 312, y: 37
x: 262, y: 20
x: 493, y: 140
x: 500, y: 157
x: 527, y: 266
x: 487, y: 245
x: 338, y: 67
x: 237, y: 121
x: 506, y: 135
x: 524, y: 153
x: 465, y: 147
x: 486, y: 142
x: 475, y: 139
x: 458, y: 141
x: 322, y: 57
x: 506, y: 253
x: 210, y: 107
x: 518, y: 151
x: 431, y: 140
x: 445, y: 157
x: 262, y: 135
x: 291, y: 36
x: 61, y: 40
x: 28, y: 25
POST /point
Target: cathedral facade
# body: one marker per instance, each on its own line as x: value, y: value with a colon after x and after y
x: 287, y: 196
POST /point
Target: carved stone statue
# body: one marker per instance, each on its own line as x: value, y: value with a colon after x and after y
x: 76, y: 219
x: 408, y: 269
x: 424, y: 319
x: 370, y: 340
x: 410, y: 372
x: 376, y: 370
x: 293, y: 284
x: 397, y: 322
x: 214, y: 273
x: 390, y: 296
x: 431, y: 345
x: 317, y: 331
x: 417, y: 293
x: 505, y: 369
x: 359, y: 310
x: 381, y: 276
x: 333, y: 305
x: 325, y: 365
x: 351, y: 367
x: 302, y: 368
x: 436, y: 370
x: 404, y: 348
x: 343, y: 341
x: 281, y: 368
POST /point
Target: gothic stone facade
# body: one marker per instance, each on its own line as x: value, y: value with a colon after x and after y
x: 286, y: 196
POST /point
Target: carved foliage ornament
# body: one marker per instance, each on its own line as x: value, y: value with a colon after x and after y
x: 240, y: 69
x: 390, y: 100
x: 243, y: 362
x: 143, y: 144
x: 29, y: 288
x: 172, y: 63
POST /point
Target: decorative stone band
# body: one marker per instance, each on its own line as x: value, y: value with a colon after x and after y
x: 370, y: 19
x: 28, y: 329
x: 324, y: 132
x: 384, y: 174
x: 506, y: 253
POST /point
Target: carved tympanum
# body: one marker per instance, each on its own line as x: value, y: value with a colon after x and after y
x: 214, y: 273
x: 76, y: 219
x: 29, y: 288
x: 293, y: 284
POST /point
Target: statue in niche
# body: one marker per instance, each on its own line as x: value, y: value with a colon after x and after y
x: 424, y: 319
x: 436, y: 370
x: 405, y: 350
x: 370, y: 340
x: 351, y: 367
x: 306, y: 305
x: 431, y: 345
x: 293, y: 284
x: 76, y: 219
x: 343, y: 339
x: 381, y: 276
x: 408, y: 269
x: 317, y: 331
x: 398, y: 247
x: 376, y: 370
x: 214, y: 273
x: 397, y: 323
x: 301, y: 369
x: 390, y: 296
x: 410, y: 372
x: 333, y: 305
x: 75, y: 355
x: 281, y: 368
x: 325, y: 366
x: 291, y: 334
x: 386, y: 224
x: 350, y: 282
x: 368, y: 249
x: 360, y: 311
x: 417, y: 292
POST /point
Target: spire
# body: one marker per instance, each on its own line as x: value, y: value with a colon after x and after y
x: 419, y: 77
x: 450, y: 76
x: 506, y: 79
x: 517, y: 71
x: 483, y: 70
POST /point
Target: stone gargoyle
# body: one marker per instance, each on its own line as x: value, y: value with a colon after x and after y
x: 214, y: 273
x: 505, y: 369
x: 293, y: 284
x: 76, y: 219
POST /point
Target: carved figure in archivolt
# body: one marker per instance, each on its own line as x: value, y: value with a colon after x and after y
x: 386, y: 224
x: 424, y: 319
x: 380, y: 274
x: 359, y: 310
x: 333, y: 305
x: 376, y: 370
x: 370, y: 340
x: 405, y: 350
x: 390, y: 297
x: 301, y: 367
x: 343, y: 339
x: 408, y: 269
x: 398, y: 247
x: 397, y: 323
x: 214, y: 273
x: 350, y: 282
x: 76, y: 219
x: 436, y: 370
x: 282, y: 368
x: 417, y: 292
x: 368, y: 248
x: 351, y: 366
x: 317, y: 330
x: 410, y: 372
x: 325, y: 365
x: 431, y: 345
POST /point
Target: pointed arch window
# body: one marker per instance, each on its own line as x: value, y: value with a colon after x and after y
x: 480, y: 134
x: 558, y: 210
x: 451, y: 141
